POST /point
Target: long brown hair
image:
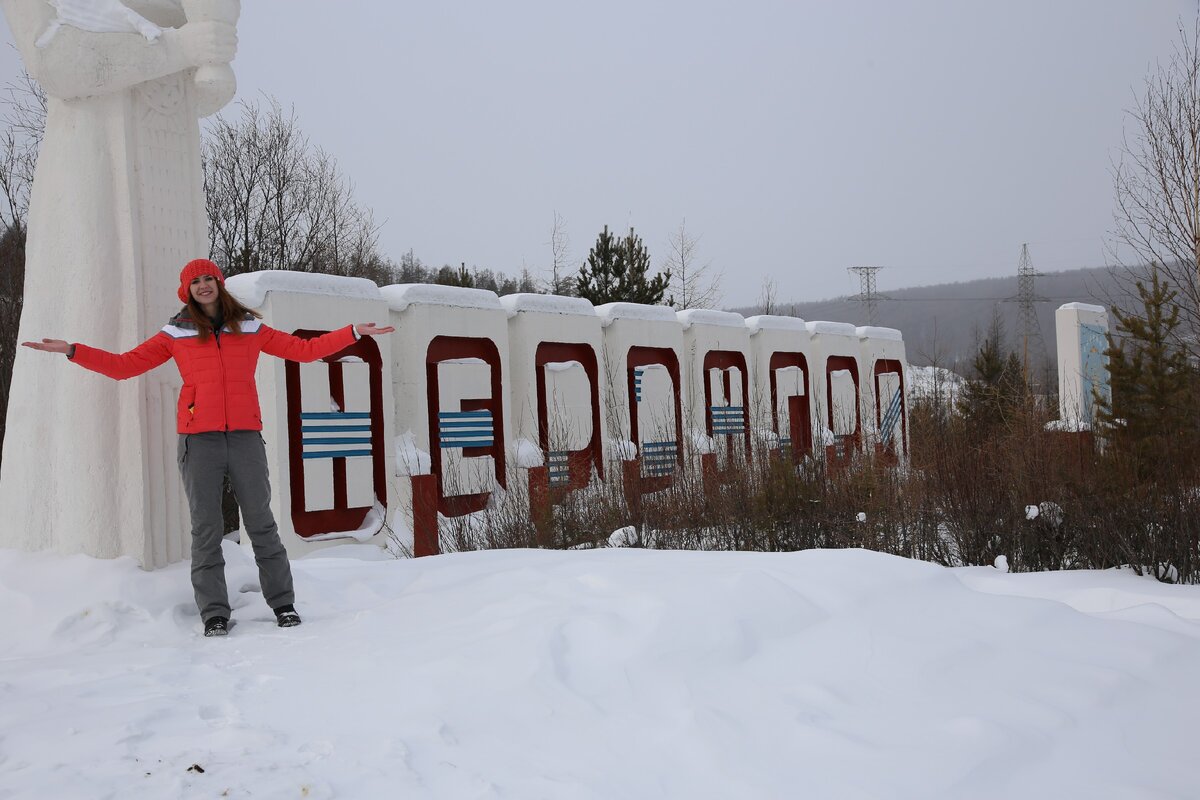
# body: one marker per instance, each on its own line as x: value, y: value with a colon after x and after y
x: 232, y: 312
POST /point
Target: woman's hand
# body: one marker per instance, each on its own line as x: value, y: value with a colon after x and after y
x: 51, y: 346
x: 370, y: 329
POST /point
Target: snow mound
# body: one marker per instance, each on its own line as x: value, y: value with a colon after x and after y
x: 932, y: 382
x: 410, y: 458
x: 251, y: 288
x: 400, y: 296
x: 623, y: 537
x: 547, y: 304
x: 704, y: 316
x: 526, y: 454
x: 622, y: 449
x: 831, y: 328
x: 1068, y: 426
x: 702, y: 443
x: 372, y: 524
x: 773, y: 322
x: 539, y: 673
x: 875, y: 332
x: 610, y: 312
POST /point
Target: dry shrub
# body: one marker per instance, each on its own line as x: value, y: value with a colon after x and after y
x: 1052, y: 500
x: 1044, y: 500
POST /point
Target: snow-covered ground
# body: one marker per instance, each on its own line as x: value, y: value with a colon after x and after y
x: 604, y: 674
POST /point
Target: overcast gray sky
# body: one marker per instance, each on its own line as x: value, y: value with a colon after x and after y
x: 797, y: 138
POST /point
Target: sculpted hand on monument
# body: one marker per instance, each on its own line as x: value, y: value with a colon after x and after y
x: 205, y: 42
x: 371, y: 329
x: 50, y: 346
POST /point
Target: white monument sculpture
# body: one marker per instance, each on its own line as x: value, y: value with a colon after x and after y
x: 117, y: 208
x: 1082, y: 333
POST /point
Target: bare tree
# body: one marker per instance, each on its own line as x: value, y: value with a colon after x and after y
x: 277, y: 202
x: 562, y: 281
x: 767, y: 302
x: 693, y: 284
x: 1157, y: 177
x: 24, y: 120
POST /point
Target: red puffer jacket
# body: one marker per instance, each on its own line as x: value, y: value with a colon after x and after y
x: 218, y: 391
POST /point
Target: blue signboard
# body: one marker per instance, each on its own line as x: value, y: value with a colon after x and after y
x: 1092, y: 344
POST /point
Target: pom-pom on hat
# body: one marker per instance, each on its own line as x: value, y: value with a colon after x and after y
x: 194, y: 269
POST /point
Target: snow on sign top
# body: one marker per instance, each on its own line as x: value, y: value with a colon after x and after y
x: 400, y: 296
x: 704, y: 316
x: 1082, y: 307
x: 614, y: 311
x: 872, y: 332
x: 251, y: 288
x: 547, y: 304
x: 773, y: 322
x: 561, y: 366
x: 831, y: 328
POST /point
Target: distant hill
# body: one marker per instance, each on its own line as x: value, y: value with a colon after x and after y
x: 943, y: 324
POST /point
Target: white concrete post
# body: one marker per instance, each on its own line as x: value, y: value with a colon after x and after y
x: 1081, y: 330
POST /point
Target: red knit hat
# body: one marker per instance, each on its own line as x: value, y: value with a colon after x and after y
x: 194, y: 269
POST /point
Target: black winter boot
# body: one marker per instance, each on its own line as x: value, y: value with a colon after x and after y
x: 287, y: 617
x: 216, y: 626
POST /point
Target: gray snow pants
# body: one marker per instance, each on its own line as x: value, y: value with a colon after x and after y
x: 204, y: 461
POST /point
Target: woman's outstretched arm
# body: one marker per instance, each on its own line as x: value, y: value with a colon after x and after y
x: 293, y: 348
x: 143, y: 358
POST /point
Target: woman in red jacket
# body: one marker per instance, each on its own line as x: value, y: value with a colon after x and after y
x: 215, y: 342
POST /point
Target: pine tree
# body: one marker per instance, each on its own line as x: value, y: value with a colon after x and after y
x: 449, y: 276
x: 616, y: 271
x: 998, y: 387
x: 598, y: 277
x: 1152, y: 413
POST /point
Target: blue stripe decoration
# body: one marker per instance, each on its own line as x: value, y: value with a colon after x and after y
x: 461, y: 429
x: 888, y: 426
x: 338, y: 454
x: 339, y: 423
x: 728, y: 420
x: 637, y: 384
x: 454, y: 444
x: 659, y: 458
x: 560, y: 470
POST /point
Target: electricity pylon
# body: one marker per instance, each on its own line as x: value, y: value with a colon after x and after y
x: 867, y: 294
x: 1027, y: 321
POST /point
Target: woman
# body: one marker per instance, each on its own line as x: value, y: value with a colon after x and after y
x: 215, y: 342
